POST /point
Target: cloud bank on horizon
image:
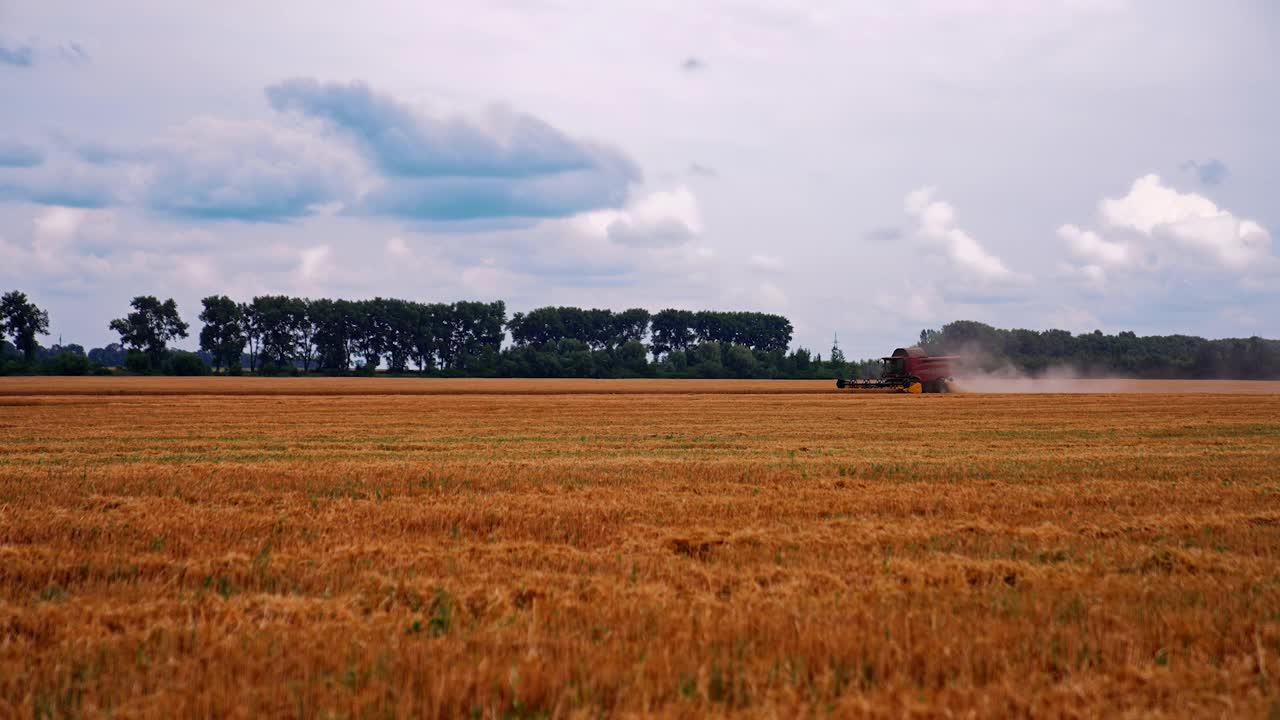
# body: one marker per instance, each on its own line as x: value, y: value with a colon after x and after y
x: 874, y: 173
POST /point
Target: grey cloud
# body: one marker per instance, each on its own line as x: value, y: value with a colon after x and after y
x: 405, y: 143
x: 477, y: 198
x: 19, y: 155
x: 701, y: 170
x: 667, y: 232
x: 103, y: 154
x: 34, y: 175
x: 692, y: 64
x: 1210, y: 172
x: 23, y: 56
x: 85, y: 195
x: 505, y: 164
x: 214, y: 169
x: 507, y: 167
x: 204, y: 169
x: 475, y: 225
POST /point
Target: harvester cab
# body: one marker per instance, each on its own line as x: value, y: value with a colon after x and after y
x: 908, y: 370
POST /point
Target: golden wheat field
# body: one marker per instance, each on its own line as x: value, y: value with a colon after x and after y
x: 220, y: 548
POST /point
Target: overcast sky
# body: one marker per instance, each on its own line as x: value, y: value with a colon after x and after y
x: 870, y: 169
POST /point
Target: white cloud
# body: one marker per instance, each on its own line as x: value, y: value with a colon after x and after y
x: 1094, y: 275
x: 488, y: 281
x: 198, y: 271
x: 660, y: 219
x: 53, y: 250
x: 1088, y: 245
x: 1187, y: 220
x: 61, y: 250
x: 397, y: 248
x: 59, y: 223
x: 937, y: 223
x: 315, y: 263
x: 1158, y: 232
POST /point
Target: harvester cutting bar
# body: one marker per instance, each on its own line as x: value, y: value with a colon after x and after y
x: 881, y: 384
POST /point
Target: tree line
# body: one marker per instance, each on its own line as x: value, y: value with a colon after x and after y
x: 275, y: 334
x: 466, y: 338
x: 1124, y: 354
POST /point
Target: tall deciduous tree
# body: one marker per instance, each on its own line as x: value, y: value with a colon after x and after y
x: 21, y: 320
x: 303, y: 326
x: 252, y: 322
x: 335, y: 326
x: 475, y: 329
x: 275, y: 316
x: 223, y: 335
x: 150, y: 326
x: 672, y: 331
x: 630, y: 325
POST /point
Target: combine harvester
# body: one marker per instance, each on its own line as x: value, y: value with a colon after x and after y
x: 908, y: 370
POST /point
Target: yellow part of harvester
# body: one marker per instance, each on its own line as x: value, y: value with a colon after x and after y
x: 913, y: 388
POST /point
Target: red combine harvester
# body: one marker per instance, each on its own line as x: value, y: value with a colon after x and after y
x: 908, y: 370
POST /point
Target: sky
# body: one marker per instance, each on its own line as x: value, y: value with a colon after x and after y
x: 866, y: 169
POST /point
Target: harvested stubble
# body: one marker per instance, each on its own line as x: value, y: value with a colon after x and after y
x: 524, y: 555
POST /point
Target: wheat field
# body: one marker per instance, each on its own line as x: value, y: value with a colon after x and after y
x: 240, y: 548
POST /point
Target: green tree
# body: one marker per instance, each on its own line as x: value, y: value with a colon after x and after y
x: 150, y: 327
x: 473, y: 326
x: 672, y: 331
x: 335, y: 326
x: 276, y: 320
x: 706, y: 359
x: 21, y: 320
x: 370, y: 333
x: 113, y: 355
x: 630, y: 325
x: 401, y: 329
x: 67, y: 363
x: 251, y: 322
x: 303, y: 330
x: 540, y: 326
x: 430, y: 333
x: 633, y: 357
x: 188, y: 364
x: 223, y: 335
x: 739, y: 360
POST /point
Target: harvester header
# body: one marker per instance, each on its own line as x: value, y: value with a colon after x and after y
x: 908, y: 370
